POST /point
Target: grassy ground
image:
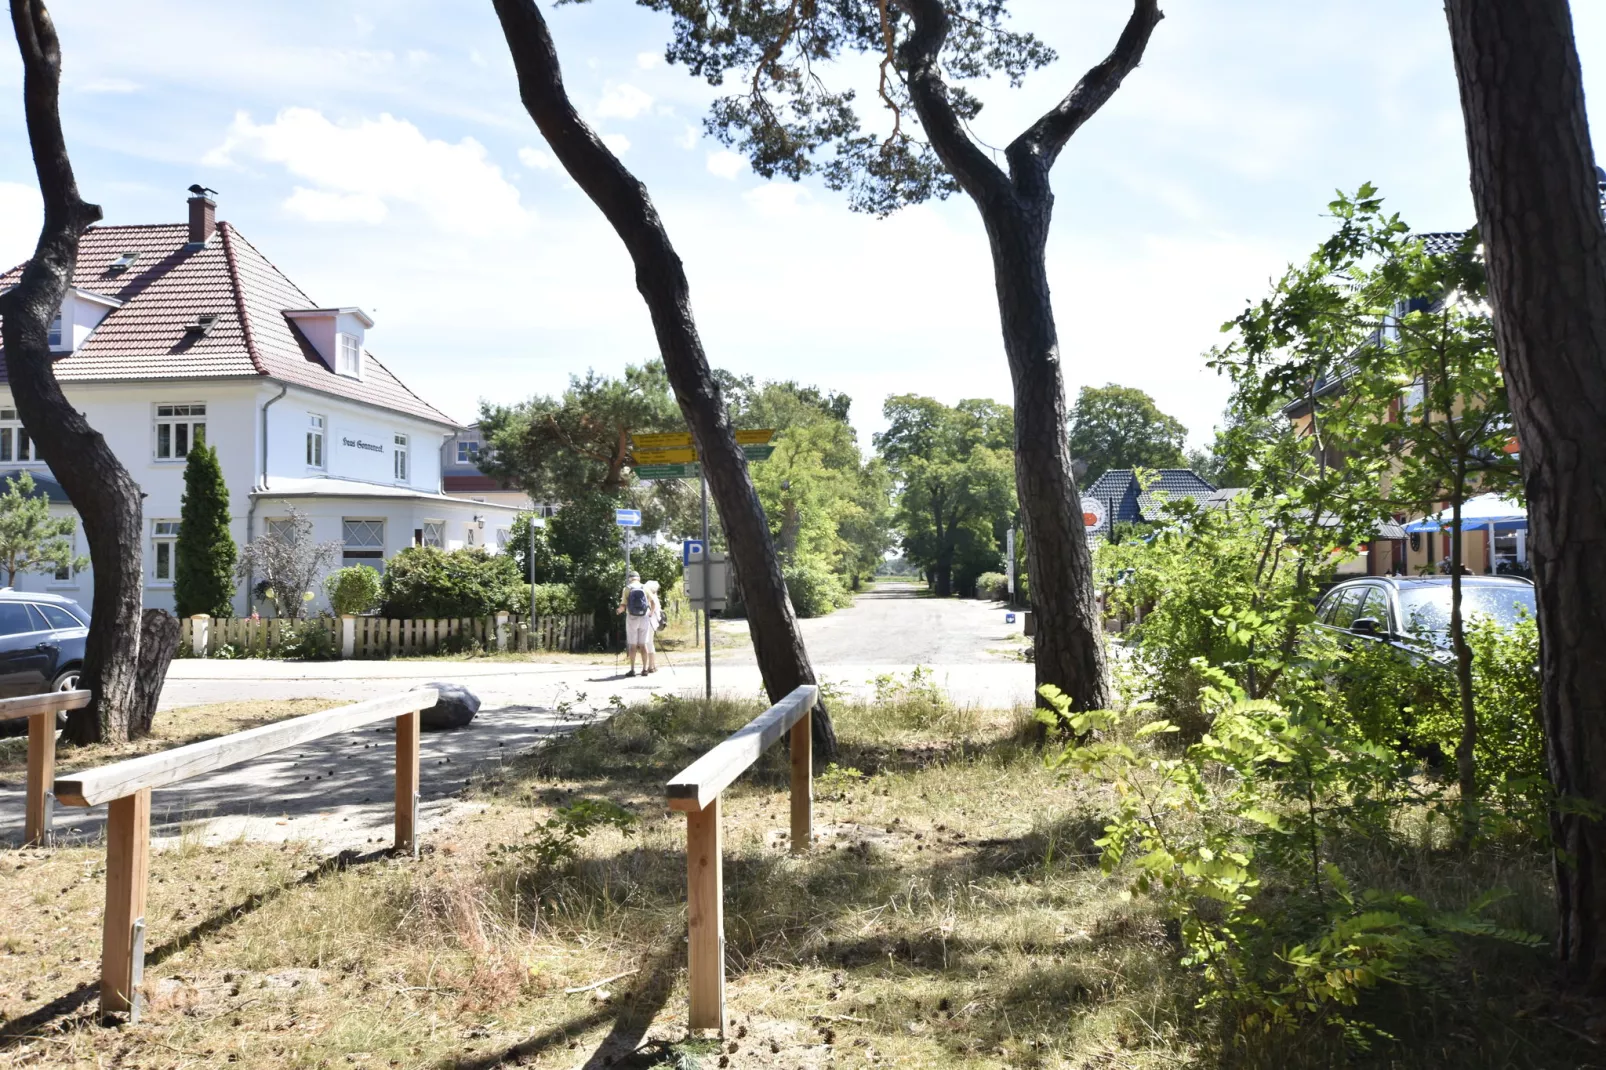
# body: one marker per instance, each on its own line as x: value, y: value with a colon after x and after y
x: 951, y: 915
x: 172, y: 728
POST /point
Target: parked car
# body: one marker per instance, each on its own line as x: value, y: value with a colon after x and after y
x: 41, y: 647
x: 1412, y: 613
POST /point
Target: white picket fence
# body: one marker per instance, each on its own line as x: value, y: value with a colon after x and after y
x: 377, y: 637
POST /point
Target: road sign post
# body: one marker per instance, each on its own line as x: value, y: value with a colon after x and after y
x: 626, y: 519
x: 708, y: 627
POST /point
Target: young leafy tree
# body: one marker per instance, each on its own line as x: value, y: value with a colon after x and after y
x: 286, y: 563
x: 203, y: 581
x: 1121, y: 427
x: 1539, y: 214
x: 31, y: 540
x: 791, y: 123
x: 105, y: 495
x: 661, y: 279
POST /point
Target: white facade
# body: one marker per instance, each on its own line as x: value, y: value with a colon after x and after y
x: 369, y: 478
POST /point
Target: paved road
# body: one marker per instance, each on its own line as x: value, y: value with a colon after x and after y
x: 337, y: 791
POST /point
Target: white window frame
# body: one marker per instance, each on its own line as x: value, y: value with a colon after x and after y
x: 399, y: 462
x: 56, y: 332
x: 436, y: 530
x: 173, y: 415
x: 16, y: 446
x: 468, y: 452
x: 317, y: 441
x: 348, y: 355
x: 164, y: 536
x: 469, y: 534
x: 357, y: 545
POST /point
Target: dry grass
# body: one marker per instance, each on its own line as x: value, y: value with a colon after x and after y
x: 951, y: 915
x: 172, y: 728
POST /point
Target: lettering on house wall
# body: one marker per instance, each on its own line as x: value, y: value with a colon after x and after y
x: 359, y: 444
x: 361, y: 451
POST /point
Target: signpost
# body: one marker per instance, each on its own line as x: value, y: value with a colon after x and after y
x: 627, y: 519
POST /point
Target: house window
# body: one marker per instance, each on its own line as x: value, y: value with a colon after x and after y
x: 401, y: 458
x: 468, y: 452
x: 363, y: 543
x: 503, y: 536
x: 470, y: 541
x: 349, y: 358
x: 164, y: 543
x: 14, y: 442
x: 178, y: 427
x: 53, y: 339
x: 64, y: 573
x: 434, y: 533
x: 314, y: 440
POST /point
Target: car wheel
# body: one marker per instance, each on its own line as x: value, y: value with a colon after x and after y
x: 66, y: 681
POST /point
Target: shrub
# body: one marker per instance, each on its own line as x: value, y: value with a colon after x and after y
x: 551, y: 600
x: 992, y: 586
x: 203, y: 578
x: 815, y: 590
x: 310, y: 640
x: 428, y: 582
x: 353, y: 590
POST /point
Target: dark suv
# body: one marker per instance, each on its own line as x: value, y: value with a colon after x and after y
x: 41, y: 647
x: 1412, y: 613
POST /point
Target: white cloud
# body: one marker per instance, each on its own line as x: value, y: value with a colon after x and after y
x: 726, y: 164
x: 21, y: 213
x: 647, y: 60
x: 359, y: 170
x: 537, y: 159
x: 688, y: 140
x: 109, y: 85
x: 776, y: 198
x: 618, y: 144
x: 623, y: 101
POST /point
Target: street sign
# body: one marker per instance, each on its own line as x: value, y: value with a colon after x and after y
x: 755, y: 436
x: 713, y: 573
x: 627, y: 518
x: 1093, y: 512
x: 690, y: 548
x: 758, y: 453
x: 663, y: 440
x: 668, y: 471
x: 675, y: 455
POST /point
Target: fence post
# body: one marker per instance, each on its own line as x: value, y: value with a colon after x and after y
x: 348, y: 635
x: 705, y: 918
x: 501, y: 632
x: 802, y: 746
x: 407, y: 783
x: 128, y: 844
x: 200, y: 634
x: 41, y: 775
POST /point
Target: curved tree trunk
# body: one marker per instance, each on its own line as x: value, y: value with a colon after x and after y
x: 1534, y: 184
x: 661, y: 280
x: 104, y: 494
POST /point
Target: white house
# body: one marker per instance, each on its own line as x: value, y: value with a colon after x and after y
x: 176, y: 334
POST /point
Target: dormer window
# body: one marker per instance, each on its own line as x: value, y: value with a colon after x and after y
x: 349, y: 359
x: 54, y: 337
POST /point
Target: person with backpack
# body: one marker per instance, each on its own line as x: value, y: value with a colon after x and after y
x: 641, y: 617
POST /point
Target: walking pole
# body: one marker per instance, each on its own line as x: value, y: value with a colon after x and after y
x: 708, y: 598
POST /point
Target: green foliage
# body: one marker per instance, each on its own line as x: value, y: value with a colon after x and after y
x: 203, y: 574
x: 428, y: 582
x: 814, y: 589
x: 557, y: 843
x: 310, y: 640
x: 1121, y: 427
x: 551, y: 600
x: 992, y: 586
x: 31, y: 540
x: 353, y: 590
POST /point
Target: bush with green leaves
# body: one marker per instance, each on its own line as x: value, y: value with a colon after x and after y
x: 550, y: 600
x: 815, y: 590
x: 556, y: 844
x: 353, y: 590
x: 203, y: 574
x: 992, y: 586
x: 310, y: 640
x: 428, y: 582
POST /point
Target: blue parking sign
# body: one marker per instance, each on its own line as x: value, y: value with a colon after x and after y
x: 690, y: 548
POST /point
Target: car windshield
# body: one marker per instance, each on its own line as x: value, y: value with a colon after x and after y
x: 1426, y: 610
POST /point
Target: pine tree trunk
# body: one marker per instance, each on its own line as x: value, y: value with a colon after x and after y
x: 1534, y: 184
x: 101, y: 490
x: 661, y: 280
x: 158, y: 642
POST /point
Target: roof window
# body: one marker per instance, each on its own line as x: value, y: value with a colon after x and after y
x: 123, y: 263
x: 202, y: 325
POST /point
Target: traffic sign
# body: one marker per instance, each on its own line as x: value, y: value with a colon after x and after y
x: 758, y: 453
x: 627, y: 518
x: 662, y: 440
x: 668, y: 471
x: 689, y: 549
x: 755, y: 436
x: 1093, y: 512
x: 674, y: 455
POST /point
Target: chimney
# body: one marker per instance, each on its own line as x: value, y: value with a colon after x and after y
x: 203, y: 215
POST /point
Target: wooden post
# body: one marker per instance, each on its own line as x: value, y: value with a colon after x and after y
x: 407, y: 783
x: 501, y: 632
x: 122, y: 956
x: 705, y: 918
x: 802, y: 746
x: 41, y: 774
x: 200, y: 635
x: 348, y: 636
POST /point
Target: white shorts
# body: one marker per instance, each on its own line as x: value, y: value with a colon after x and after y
x: 639, y: 630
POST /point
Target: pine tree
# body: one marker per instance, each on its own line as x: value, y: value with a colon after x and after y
x: 204, y: 572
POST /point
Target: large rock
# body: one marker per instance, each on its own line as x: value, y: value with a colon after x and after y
x: 456, y: 708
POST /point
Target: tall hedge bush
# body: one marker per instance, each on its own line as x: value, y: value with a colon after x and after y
x: 203, y: 575
x: 428, y: 582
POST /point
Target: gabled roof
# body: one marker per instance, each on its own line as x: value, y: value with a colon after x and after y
x: 1125, y: 500
x: 170, y: 284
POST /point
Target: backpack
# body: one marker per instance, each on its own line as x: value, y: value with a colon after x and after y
x: 636, y: 601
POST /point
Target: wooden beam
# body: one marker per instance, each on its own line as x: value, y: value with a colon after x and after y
x: 700, y: 783
x: 94, y: 786
x: 407, y: 726
x: 801, y: 743
x: 49, y: 702
x: 41, y: 712
x: 705, y: 918
x: 128, y: 841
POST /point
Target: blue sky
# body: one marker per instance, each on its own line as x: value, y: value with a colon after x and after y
x: 377, y: 152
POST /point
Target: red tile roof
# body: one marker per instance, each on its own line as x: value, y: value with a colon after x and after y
x: 170, y: 284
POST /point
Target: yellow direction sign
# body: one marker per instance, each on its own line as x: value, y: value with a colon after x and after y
x: 662, y: 440
x: 757, y: 437
x: 676, y: 455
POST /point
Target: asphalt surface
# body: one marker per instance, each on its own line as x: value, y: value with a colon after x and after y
x: 337, y: 792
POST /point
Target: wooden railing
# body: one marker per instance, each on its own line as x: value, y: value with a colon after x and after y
x: 696, y: 790
x: 383, y: 637
x: 41, y: 711
x: 127, y: 786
